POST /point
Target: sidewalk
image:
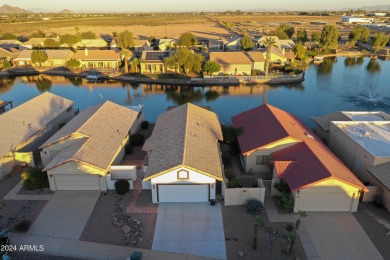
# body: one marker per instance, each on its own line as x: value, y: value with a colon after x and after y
x: 90, y: 250
x: 274, y: 216
x: 12, y: 195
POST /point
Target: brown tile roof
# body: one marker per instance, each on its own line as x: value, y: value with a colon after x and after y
x: 185, y: 136
x: 290, y: 55
x: 382, y: 173
x: 97, y: 55
x: 230, y: 57
x: 256, y: 56
x: 104, y: 127
x: 51, y: 54
x: 22, y: 122
x: 314, y: 161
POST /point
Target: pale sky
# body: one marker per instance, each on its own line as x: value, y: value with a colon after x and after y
x: 188, y: 5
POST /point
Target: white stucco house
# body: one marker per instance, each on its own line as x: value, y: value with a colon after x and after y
x: 184, y: 159
x: 79, y: 155
x: 233, y: 44
x: 24, y: 128
x: 277, y: 142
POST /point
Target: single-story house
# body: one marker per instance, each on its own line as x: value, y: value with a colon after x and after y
x: 79, y: 155
x: 277, y: 55
x: 153, y: 61
x: 98, y: 59
x: 287, y: 45
x: 8, y: 53
x: 139, y: 45
x: 184, y: 159
x: 55, y: 58
x: 381, y: 174
x: 36, y: 42
x: 261, y: 41
x: 24, y: 128
x: 385, y: 51
x: 233, y: 44
x: 11, y: 44
x: 277, y: 140
x: 165, y: 44
x: 238, y: 62
x: 211, y: 44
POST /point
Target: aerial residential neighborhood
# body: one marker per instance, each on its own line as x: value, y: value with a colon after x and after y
x: 172, y: 130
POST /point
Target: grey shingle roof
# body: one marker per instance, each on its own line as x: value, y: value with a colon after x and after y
x: 324, y: 120
x: 22, y: 122
x: 104, y: 126
x: 382, y: 173
x: 185, y: 136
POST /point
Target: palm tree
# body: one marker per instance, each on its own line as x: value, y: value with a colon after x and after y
x: 269, y: 43
x: 136, y: 62
x: 126, y: 54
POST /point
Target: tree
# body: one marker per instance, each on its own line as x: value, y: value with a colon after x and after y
x: 125, y: 40
x: 38, y: 34
x: 359, y: 33
x: 187, y: 40
x: 50, y: 43
x: 38, y: 56
x: 8, y: 36
x: 126, y: 54
x: 300, y: 51
x: 246, y: 43
x: 282, y: 35
x: 289, y: 30
x: 329, y: 37
x: 114, y: 34
x: 315, y: 37
x: 69, y: 39
x: 6, y: 64
x: 269, y: 43
x: 211, y: 67
x: 186, y: 60
x: 135, y: 63
x: 302, y: 36
x: 87, y: 35
x: 73, y: 64
x: 379, y: 40
x: 77, y: 29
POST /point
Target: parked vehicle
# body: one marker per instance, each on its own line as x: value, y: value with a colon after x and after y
x: 93, y: 76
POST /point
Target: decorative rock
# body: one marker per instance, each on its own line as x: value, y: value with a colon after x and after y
x: 126, y: 229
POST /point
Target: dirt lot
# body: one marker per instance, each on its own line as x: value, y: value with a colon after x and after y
x: 142, y: 27
x: 376, y: 231
x: 274, y: 18
x: 238, y: 227
x: 100, y: 229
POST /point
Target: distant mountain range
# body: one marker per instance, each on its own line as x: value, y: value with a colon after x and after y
x: 7, y: 9
x: 66, y: 11
x: 375, y: 8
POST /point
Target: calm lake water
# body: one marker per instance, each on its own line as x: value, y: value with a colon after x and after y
x: 336, y: 84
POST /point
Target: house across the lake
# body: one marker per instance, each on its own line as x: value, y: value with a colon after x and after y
x: 98, y: 59
x: 279, y: 144
x: 153, y: 62
x: 238, y: 62
x: 184, y: 160
x: 24, y: 128
x: 55, y: 58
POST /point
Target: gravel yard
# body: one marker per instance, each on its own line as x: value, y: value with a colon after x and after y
x: 375, y: 230
x: 239, y: 227
x: 100, y: 228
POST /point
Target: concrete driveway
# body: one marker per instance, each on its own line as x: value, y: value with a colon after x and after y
x: 338, y: 235
x: 65, y: 215
x: 191, y: 228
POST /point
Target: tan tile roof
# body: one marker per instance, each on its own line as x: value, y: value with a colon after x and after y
x: 104, y: 126
x: 230, y: 57
x: 51, y: 54
x: 324, y: 120
x: 185, y: 136
x: 8, y: 52
x: 290, y: 55
x: 256, y: 56
x: 97, y: 55
x: 22, y: 122
x: 382, y: 173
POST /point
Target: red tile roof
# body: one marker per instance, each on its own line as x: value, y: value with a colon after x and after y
x: 302, y: 164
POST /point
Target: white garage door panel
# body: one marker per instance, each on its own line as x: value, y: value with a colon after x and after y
x: 183, y: 193
x: 77, y: 182
x: 325, y: 202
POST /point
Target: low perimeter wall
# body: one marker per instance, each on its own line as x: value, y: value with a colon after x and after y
x: 239, y: 196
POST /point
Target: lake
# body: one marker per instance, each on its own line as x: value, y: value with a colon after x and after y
x: 336, y: 84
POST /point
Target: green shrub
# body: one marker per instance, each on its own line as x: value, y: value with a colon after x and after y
x: 6, y: 64
x: 287, y: 202
x: 33, y: 178
x: 282, y: 186
x: 23, y: 226
x: 232, y: 184
x: 122, y: 186
x: 144, y: 125
x: 137, y: 139
x: 254, y: 206
x: 229, y: 174
x: 128, y: 148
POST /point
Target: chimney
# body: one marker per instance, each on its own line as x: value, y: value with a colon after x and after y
x: 86, y: 52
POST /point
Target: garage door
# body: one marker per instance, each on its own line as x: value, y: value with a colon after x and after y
x: 183, y: 193
x: 325, y: 202
x: 77, y: 181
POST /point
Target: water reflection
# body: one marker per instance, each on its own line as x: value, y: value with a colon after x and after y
x: 6, y: 85
x: 373, y: 66
x: 43, y: 84
x: 326, y: 67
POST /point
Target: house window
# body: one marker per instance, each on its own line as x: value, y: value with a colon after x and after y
x: 183, y: 175
x: 262, y: 159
